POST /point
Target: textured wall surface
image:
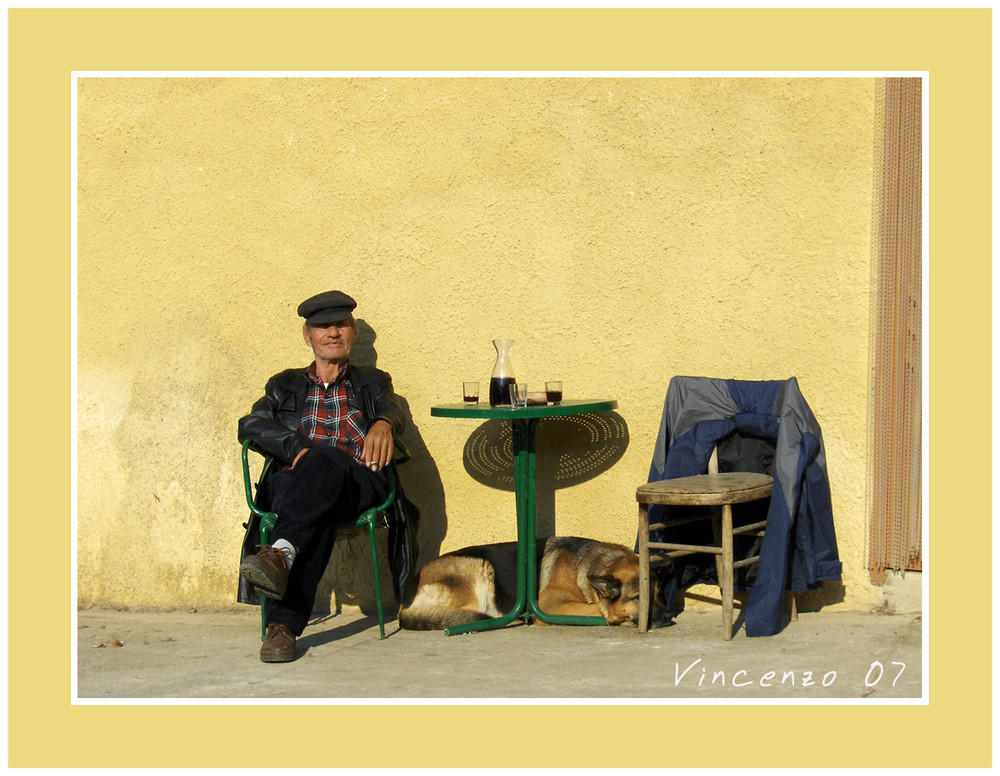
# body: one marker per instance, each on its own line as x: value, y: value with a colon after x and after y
x: 620, y: 231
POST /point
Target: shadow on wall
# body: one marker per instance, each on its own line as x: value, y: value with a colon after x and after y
x: 568, y: 451
x: 348, y: 578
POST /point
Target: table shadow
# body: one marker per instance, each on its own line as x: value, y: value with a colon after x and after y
x: 569, y: 450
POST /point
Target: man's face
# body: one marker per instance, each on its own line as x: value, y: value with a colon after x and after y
x: 331, y: 342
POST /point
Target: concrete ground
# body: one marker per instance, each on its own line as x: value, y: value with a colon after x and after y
x: 195, y: 654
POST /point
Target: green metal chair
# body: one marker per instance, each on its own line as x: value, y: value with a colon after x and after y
x: 369, y: 519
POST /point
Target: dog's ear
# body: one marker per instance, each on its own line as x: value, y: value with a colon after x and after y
x: 606, y: 587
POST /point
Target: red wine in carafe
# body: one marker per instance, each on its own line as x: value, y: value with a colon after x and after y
x: 500, y: 391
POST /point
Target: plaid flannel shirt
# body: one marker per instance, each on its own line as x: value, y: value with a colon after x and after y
x: 327, y: 419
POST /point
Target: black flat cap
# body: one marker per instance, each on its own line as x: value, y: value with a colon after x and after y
x: 328, y: 307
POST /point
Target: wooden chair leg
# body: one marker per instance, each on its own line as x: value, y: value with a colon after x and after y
x: 643, y: 568
x: 726, y: 578
x: 795, y: 606
x: 717, y: 539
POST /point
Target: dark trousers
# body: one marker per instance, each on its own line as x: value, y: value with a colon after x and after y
x: 326, y: 487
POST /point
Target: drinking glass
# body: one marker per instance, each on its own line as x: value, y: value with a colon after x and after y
x: 470, y: 392
x: 519, y: 395
x: 553, y: 392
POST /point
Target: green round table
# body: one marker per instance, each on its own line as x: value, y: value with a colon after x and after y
x: 524, y: 422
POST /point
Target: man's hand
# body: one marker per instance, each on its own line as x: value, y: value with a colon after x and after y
x: 377, y: 452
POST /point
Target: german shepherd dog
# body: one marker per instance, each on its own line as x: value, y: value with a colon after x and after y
x: 575, y: 576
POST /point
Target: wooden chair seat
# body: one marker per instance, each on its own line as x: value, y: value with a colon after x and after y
x: 714, y: 490
x: 707, y: 489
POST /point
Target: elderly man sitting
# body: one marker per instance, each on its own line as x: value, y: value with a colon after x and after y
x: 330, y: 428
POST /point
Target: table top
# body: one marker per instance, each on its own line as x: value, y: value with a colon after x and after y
x: 484, y: 410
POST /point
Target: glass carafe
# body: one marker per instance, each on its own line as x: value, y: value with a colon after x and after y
x: 503, y: 374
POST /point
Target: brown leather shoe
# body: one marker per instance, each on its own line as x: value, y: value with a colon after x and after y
x: 267, y: 571
x: 279, y: 645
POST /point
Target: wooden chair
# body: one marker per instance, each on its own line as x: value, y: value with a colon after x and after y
x: 369, y: 520
x: 714, y: 490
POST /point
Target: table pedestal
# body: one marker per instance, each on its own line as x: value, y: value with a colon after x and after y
x: 526, y: 606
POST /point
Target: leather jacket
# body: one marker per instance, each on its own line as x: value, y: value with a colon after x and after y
x: 273, y: 422
x: 272, y: 426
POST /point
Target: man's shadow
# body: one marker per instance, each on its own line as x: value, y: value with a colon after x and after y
x: 348, y: 577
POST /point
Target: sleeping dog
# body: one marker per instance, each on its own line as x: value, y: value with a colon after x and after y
x: 575, y: 577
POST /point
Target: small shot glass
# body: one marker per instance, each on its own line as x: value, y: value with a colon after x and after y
x: 553, y: 392
x: 470, y: 392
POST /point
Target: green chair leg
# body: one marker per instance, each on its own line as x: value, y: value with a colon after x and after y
x: 376, y: 574
x: 378, y: 579
x: 267, y: 521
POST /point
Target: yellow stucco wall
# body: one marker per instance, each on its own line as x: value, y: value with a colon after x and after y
x: 621, y: 231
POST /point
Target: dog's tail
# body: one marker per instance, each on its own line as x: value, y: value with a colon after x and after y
x: 436, y: 617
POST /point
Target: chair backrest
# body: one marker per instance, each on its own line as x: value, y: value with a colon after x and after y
x: 713, y: 461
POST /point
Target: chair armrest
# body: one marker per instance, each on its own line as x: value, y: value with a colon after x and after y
x: 247, y: 488
x: 390, y: 476
x: 402, y: 454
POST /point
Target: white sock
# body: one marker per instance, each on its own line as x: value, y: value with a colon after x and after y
x: 283, y: 544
